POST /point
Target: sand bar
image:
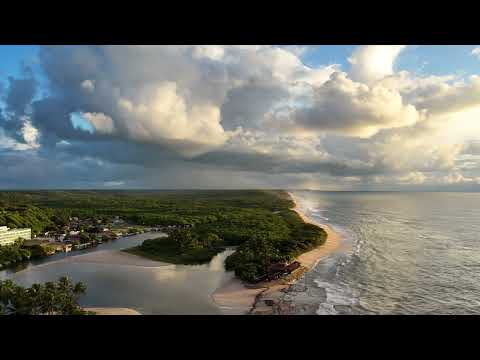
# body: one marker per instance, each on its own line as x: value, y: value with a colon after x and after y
x: 112, y: 311
x: 114, y: 257
x: 233, y: 298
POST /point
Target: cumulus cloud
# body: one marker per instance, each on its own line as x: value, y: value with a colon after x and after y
x: 342, y: 105
x: 444, y: 97
x: 170, y: 116
x: 30, y: 134
x: 101, y: 122
x: 414, y: 177
x: 28, y: 137
x: 373, y: 62
x: 476, y: 52
x: 166, y: 116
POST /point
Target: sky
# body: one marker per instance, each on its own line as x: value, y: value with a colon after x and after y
x: 357, y: 117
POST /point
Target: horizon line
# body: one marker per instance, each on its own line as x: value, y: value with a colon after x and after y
x: 223, y: 189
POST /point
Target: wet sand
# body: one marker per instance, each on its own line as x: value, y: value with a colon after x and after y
x: 233, y: 298
x: 236, y: 297
x: 115, y: 257
x: 311, y: 258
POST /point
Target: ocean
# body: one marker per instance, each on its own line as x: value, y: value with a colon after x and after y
x: 402, y: 253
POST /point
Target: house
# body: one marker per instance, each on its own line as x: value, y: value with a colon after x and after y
x: 74, y: 238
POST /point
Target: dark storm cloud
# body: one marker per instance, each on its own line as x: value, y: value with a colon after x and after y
x: 245, y: 106
x: 20, y: 94
x: 18, y: 97
x: 273, y: 164
x: 121, y: 152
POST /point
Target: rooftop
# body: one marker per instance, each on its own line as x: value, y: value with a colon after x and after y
x: 6, y: 229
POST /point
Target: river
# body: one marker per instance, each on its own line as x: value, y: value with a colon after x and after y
x: 164, y: 289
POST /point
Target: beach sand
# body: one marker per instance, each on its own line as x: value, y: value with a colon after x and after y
x: 114, y: 257
x: 236, y: 297
x: 112, y: 311
x: 233, y: 298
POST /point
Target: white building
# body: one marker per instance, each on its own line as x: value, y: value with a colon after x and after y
x: 9, y: 236
x: 117, y: 220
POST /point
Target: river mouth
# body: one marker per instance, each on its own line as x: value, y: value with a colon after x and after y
x: 121, y: 280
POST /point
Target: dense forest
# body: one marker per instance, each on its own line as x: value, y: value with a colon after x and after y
x: 260, y: 222
x: 25, y: 216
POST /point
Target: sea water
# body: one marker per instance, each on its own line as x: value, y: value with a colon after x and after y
x: 401, y: 253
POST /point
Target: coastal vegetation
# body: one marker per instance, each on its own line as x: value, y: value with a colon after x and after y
x: 52, y: 298
x: 13, y: 253
x: 253, y: 257
x: 259, y: 223
x: 18, y: 252
x: 181, y: 247
x: 14, y: 215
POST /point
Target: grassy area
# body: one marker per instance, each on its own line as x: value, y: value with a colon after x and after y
x: 166, y: 250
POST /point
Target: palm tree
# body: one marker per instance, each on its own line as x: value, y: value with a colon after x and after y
x: 50, y: 298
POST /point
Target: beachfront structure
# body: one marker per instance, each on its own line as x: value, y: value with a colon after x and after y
x: 9, y: 236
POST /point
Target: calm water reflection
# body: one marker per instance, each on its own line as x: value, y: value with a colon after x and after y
x: 169, y: 289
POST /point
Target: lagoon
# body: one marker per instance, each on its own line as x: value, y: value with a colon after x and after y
x: 143, y: 285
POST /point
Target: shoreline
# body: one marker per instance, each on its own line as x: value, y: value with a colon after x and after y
x: 237, y: 298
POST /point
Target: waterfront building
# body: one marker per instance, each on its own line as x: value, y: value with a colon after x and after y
x: 50, y: 239
x: 9, y: 236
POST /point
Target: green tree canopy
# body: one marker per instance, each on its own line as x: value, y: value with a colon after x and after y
x: 51, y: 298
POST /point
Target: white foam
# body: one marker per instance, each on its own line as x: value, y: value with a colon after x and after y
x: 326, y: 309
x: 335, y: 295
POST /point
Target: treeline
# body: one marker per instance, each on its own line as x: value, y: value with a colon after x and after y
x: 16, y: 253
x: 183, y: 246
x: 13, y: 253
x: 26, y: 216
x: 259, y: 222
x: 253, y: 257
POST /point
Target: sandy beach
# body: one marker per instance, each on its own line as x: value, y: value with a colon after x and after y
x: 236, y: 297
x: 112, y: 311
